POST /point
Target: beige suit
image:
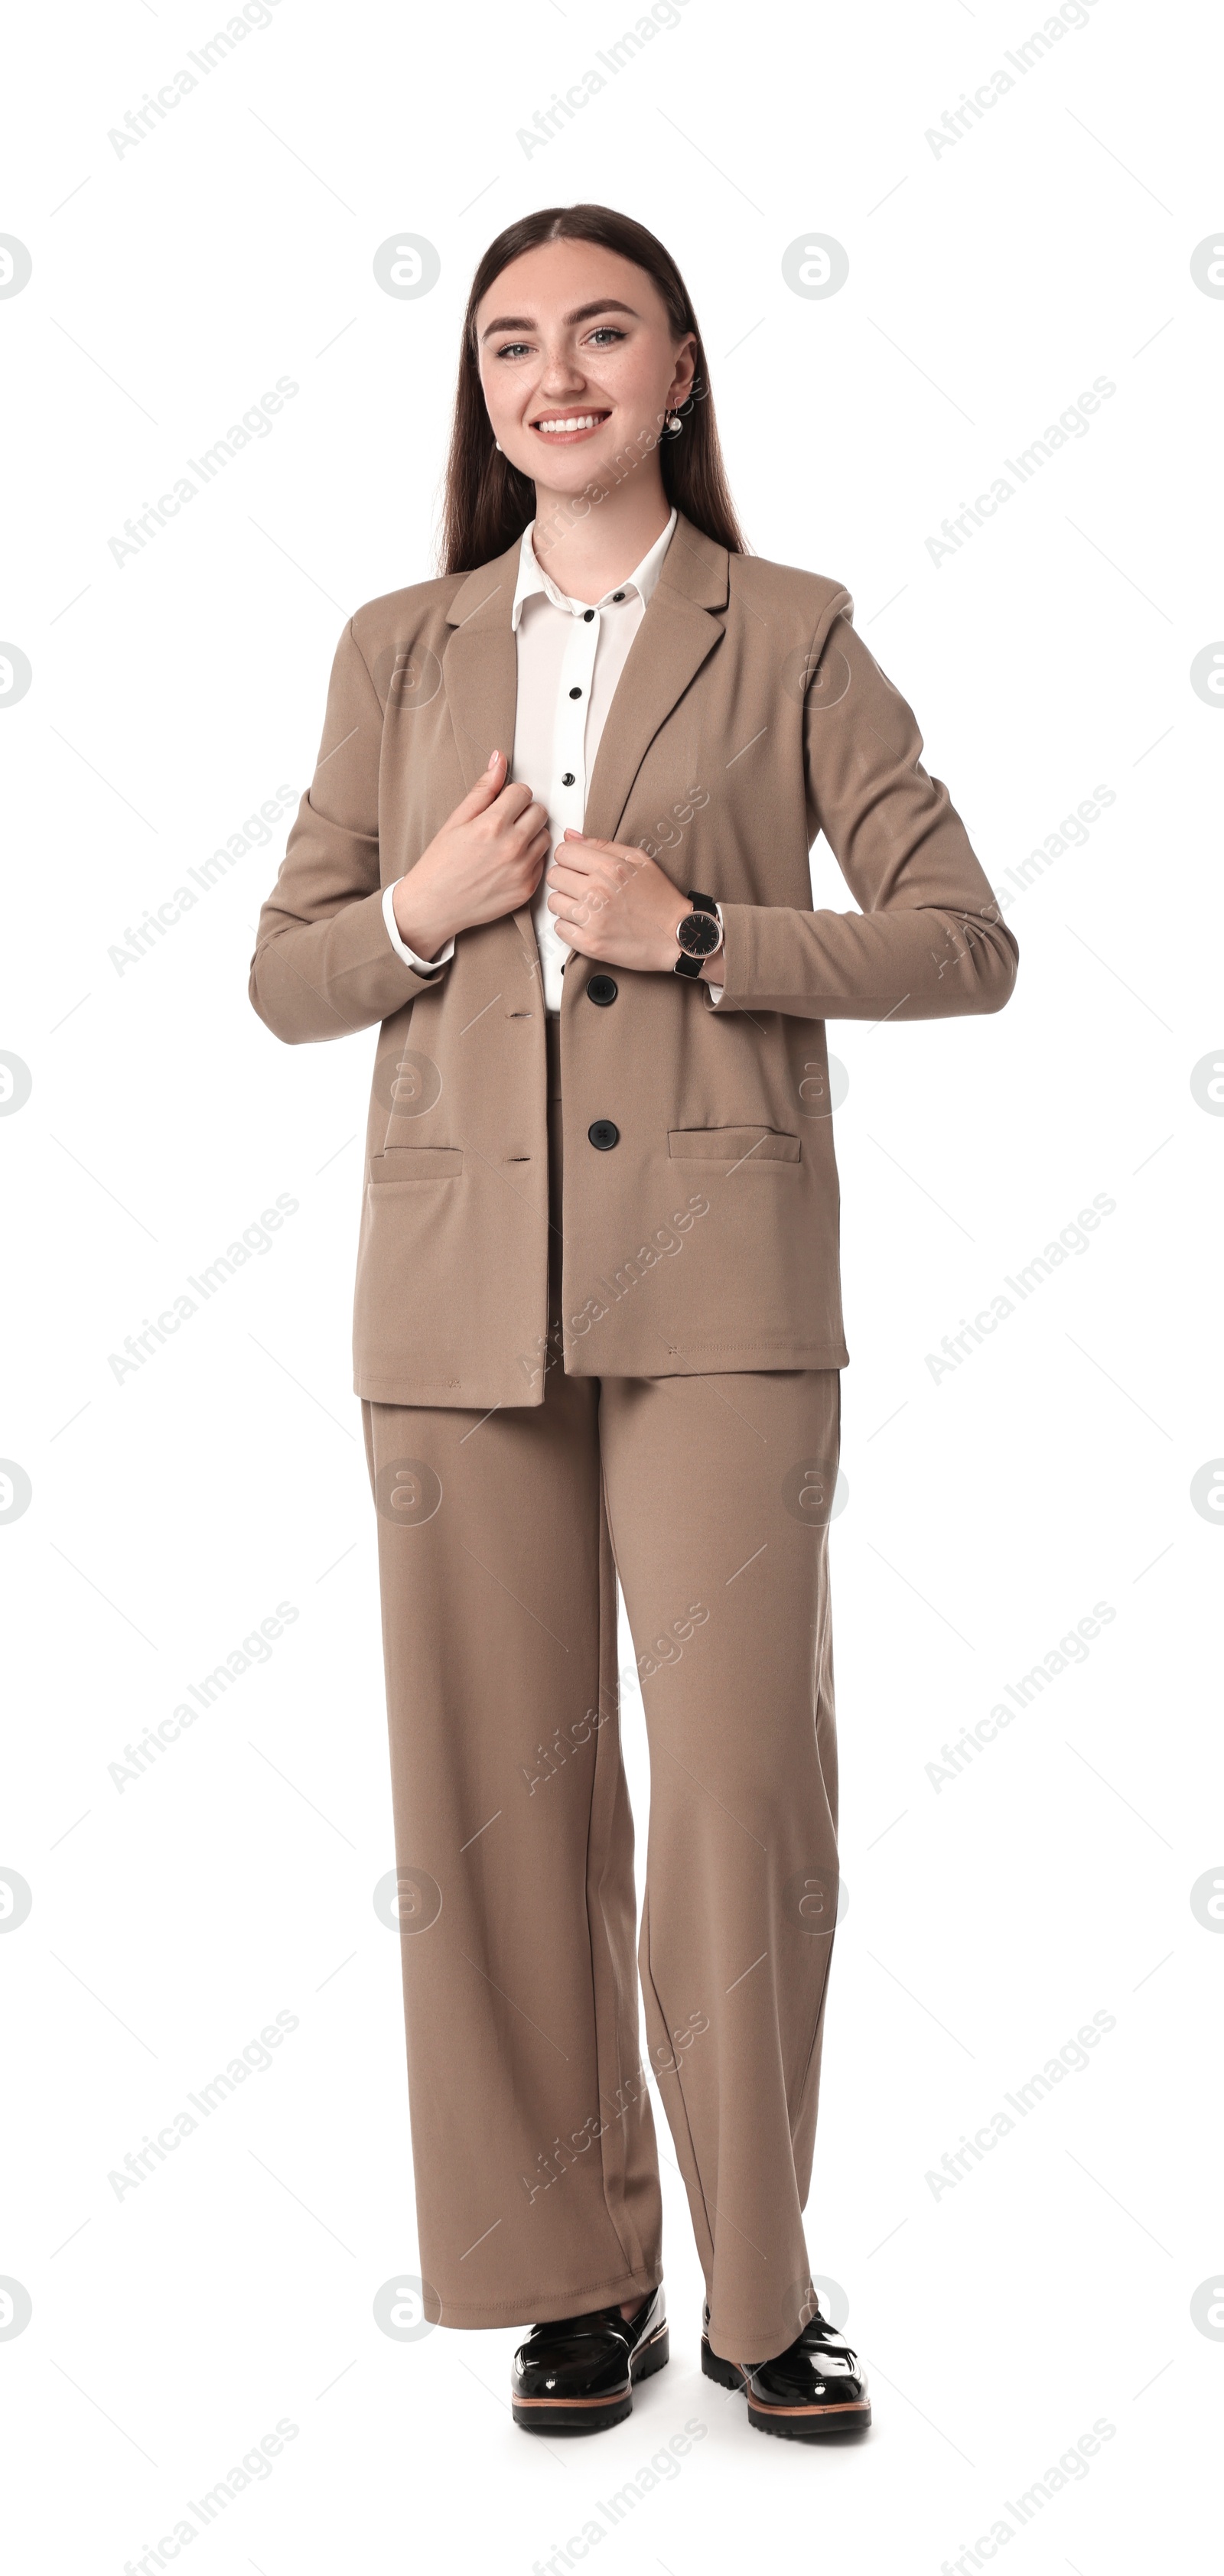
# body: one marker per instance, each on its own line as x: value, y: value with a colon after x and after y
x: 578, y: 1363
x: 749, y: 717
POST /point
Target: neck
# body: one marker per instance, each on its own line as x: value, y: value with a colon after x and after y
x: 587, y: 556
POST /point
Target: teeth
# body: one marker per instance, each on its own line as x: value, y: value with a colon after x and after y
x: 553, y: 428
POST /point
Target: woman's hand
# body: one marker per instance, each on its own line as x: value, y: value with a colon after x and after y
x: 487, y: 859
x: 613, y: 903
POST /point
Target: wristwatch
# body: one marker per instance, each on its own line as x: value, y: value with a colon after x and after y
x: 699, y: 934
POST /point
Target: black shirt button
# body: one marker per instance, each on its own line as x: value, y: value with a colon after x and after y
x: 604, y: 1135
x: 618, y: 594
x: 587, y: 615
x: 568, y: 778
x: 602, y: 989
x: 575, y: 693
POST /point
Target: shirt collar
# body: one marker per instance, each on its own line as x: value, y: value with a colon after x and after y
x: 533, y: 578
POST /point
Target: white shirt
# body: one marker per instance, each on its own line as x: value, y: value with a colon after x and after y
x: 570, y: 658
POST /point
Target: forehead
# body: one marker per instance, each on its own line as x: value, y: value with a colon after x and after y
x: 555, y: 278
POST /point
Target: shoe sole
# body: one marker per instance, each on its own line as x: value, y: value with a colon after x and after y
x: 846, y: 2417
x: 592, y: 2414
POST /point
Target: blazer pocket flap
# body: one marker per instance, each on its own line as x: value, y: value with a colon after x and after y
x: 744, y: 1145
x: 416, y: 1163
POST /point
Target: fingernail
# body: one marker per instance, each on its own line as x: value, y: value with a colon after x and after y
x: 494, y: 757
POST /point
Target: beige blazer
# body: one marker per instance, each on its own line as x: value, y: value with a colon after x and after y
x: 749, y: 717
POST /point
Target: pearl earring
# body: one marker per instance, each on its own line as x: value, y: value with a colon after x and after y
x: 498, y: 445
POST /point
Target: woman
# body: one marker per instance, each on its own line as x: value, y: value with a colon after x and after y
x: 598, y: 1326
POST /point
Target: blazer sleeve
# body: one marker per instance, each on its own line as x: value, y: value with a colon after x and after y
x: 323, y: 963
x: 928, y: 941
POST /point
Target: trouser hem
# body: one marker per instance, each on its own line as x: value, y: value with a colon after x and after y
x: 545, y: 2307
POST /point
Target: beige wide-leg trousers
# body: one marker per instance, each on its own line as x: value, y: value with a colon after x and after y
x: 500, y: 1539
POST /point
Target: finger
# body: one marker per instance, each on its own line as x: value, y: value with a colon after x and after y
x: 600, y: 885
x: 579, y: 889
x: 488, y: 785
x: 603, y: 849
x: 577, y: 935
x: 532, y: 820
x: 609, y: 859
x: 586, y: 861
x: 514, y: 800
x: 577, y: 907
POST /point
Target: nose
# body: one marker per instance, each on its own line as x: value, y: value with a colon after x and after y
x: 562, y: 375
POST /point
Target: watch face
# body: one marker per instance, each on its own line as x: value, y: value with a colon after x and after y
x: 698, y: 934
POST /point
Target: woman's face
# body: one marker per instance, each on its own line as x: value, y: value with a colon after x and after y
x: 574, y: 336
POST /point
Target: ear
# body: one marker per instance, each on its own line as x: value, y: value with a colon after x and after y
x: 685, y: 370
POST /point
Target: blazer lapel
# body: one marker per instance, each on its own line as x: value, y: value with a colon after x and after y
x: 676, y: 636
x: 480, y: 668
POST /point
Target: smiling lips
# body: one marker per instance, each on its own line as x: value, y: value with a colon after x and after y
x: 570, y: 426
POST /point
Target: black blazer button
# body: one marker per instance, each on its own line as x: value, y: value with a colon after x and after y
x: 604, y: 1135
x: 602, y: 989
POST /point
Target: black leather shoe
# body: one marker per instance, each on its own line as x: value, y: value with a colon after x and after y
x: 577, y: 2375
x: 812, y: 2392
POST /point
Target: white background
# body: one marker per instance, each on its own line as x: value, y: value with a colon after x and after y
x: 989, y: 1509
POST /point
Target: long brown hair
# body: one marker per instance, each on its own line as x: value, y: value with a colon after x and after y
x: 488, y: 502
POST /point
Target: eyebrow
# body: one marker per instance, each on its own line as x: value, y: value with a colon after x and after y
x: 583, y: 313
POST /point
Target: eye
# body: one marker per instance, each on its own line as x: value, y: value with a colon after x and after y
x: 605, y: 331
x: 513, y: 349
